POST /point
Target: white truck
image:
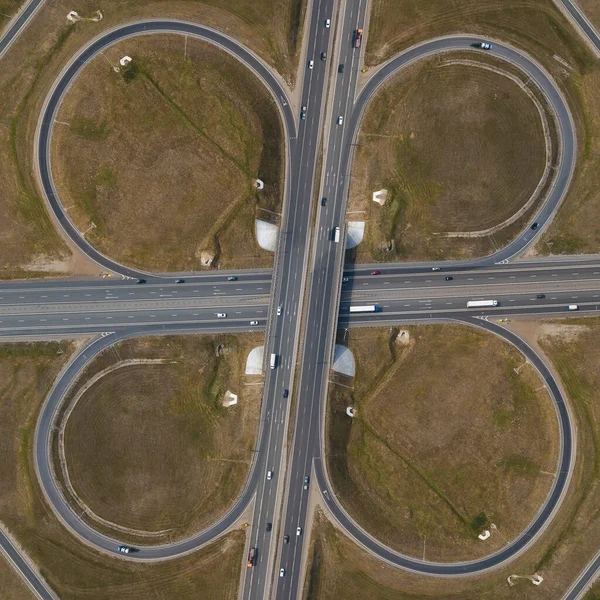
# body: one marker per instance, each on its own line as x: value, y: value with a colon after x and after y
x: 273, y: 362
x: 367, y: 308
x: 481, y: 303
x: 336, y: 235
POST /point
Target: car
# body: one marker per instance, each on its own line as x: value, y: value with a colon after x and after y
x: 221, y: 315
x: 140, y: 281
x: 253, y: 322
x: 375, y: 272
x: 535, y: 226
x: 232, y: 278
x: 180, y: 281
x: 340, y: 120
x: 279, y: 310
x: 323, y: 55
x: 269, y: 475
x: 306, y: 482
x: 124, y: 549
x: 269, y: 526
x: 281, y: 572
x: 298, y: 530
x: 328, y: 23
x: 573, y: 307
x: 323, y: 201
x: 311, y: 64
x: 540, y: 296
x: 436, y: 268
x: 486, y: 46
x: 286, y: 539
x: 341, y: 68
x: 448, y: 278
x: 286, y: 393
x: 345, y: 279
x: 303, y: 116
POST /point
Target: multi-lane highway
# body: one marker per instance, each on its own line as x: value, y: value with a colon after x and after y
x: 306, y: 256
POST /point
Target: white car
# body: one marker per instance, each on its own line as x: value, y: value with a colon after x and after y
x: 328, y: 23
x: 311, y: 64
x: 269, y: 475
x: 279, y: 310
x: 281, y: 572
x: 253, y: 322
x: 298, y: 530
x: 221, y: 315
x: 486, y: 46
x: 124, y: 549
x: 340, y: 120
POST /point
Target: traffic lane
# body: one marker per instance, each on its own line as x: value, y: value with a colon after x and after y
x: 544, y: 82
x: 567, y: 291
x: 585, y: 579
x: 539, y: 522
x: 11, y: 33
x: 85, y: 322
x: 511, y: 276
x: 44, y: 133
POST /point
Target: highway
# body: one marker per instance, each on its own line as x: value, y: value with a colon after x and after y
x: 308, y: 266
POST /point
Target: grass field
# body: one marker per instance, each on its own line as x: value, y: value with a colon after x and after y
x: 72, y: 569
x: 149, y: 446
x: 539, y: 28
x: 430, y: 137
x: 436, y: 455
x: 29, y: 242
x: 161, y: 158
x: 8, y: 8
x: 11, y: 584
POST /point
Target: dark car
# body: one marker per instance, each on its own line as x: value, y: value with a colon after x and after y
x: 232, y: 278
x: 323, y: 201
x: 306, y: 482
x: 269, y: 526
x: 286, y: 393
x: 540, y: 296
x: 141, y: 281
x: 303, y: 113
x: 448, y: 278
x: 375, y: 272
x: 286, y: 539
x: 323, y: 55
x: 180, y: 281
x: 341, y: 69
x: 535, y: 226
x: 345, y: 279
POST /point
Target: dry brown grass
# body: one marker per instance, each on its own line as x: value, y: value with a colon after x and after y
x: 150, y: 447
x: 8, y: 9
x: 539, y: 28
x: 162, y: 163
x: 11, y: 584
x: 458, y: 146
x: 73, y: 570
x: 29, y: 242
x: 591, y: 9
x: 436, y: 454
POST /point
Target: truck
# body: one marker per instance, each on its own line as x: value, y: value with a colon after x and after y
x: 358, y: 38
x: 273, y: 362
x: 336, y: 234
x: 367, y: 308
x: 251, y: 556
x: 481, y: 303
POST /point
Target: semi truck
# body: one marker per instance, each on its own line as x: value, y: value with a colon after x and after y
x: 336, y: 234
x: 367, y: 308
x: 358, y: 38
x: 481, y: 303
x: 251, y: 556
x: 273, y: 362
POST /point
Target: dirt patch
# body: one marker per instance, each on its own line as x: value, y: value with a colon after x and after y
x: 141, y: 158
x: 430, y: 137
x: 150, y: 448
x: 436, y: 454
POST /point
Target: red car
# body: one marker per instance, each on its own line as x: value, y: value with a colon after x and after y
x: 375, y: 272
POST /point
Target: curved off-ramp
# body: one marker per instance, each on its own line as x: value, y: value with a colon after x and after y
x: 69, y: 74
x: 531, y: 532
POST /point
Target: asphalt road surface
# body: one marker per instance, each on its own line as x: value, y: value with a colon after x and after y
x: 404, y: 293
